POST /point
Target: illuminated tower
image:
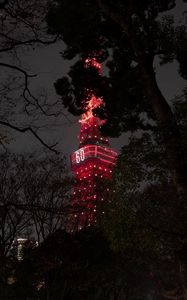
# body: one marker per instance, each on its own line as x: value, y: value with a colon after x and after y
x: 92, y: 163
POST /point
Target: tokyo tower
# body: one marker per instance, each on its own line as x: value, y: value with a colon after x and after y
x: 92, y: 163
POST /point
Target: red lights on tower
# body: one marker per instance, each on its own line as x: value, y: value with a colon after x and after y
x: 92, y: 163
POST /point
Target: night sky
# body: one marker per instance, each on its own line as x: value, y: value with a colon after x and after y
x: 49, y: 65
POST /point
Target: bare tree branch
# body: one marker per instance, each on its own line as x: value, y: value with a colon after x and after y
x: 29, y: 129
x: 15, y: 43
x: 36, y: 207
x: 23, y: 24
x: 26, y: 91
x: 18, y: 69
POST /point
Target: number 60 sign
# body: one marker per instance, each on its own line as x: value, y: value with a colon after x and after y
x: 79, y: 154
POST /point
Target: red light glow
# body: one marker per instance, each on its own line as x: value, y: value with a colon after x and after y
x: 88, y: 115
x: 92, y: 163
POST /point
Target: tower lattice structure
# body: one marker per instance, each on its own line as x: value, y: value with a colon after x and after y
x: 92, y: 163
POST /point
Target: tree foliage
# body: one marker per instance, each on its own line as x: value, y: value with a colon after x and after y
x: 146, y: 213
x: 80, y: 266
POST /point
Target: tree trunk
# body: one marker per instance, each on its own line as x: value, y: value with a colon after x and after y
x: 165, y: 118
x: 168, y: 129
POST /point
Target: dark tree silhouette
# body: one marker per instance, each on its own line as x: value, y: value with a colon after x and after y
x: 34, y: 202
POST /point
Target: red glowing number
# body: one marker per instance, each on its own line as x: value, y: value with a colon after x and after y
x: 79, y: 156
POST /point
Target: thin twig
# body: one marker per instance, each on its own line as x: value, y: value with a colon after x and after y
x: 29, y: 129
